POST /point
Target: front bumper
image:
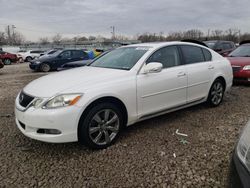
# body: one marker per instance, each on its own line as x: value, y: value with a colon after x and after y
x: 239, y: 175
x: 65, y: 120
x: 34, y: 66
x: 242, y: 76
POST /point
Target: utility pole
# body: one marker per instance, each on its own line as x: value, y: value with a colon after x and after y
x: 13, y: 34
x: 113, y: 32
x: 8, y: 32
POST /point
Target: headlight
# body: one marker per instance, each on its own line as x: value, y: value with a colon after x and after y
x: 36, y: 103
x: 37, y: 62
x: 247, y: 67
x: 62, y: 100
x: 243, y: 147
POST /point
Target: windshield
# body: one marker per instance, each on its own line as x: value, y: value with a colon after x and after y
x: 121, y: 58
x: 241, y: 51
x: 210, y: 44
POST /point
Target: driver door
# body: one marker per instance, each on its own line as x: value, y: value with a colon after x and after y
x: 157, y: 92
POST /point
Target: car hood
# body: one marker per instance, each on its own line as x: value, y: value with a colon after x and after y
x: 239, y: 61
x: 44, y: 58
x: 79, y: 78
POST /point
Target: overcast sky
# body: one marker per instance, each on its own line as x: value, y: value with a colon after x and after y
x: 40, y: 18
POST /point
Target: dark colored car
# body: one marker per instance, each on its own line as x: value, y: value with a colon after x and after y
x: 222, y: 47
x: 57, y: 60
x: 240, y: 164
x: 81, y: 63
x: 7, y: 58
x: 240, y: 61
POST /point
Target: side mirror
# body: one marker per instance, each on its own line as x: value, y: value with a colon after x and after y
x: 152, y: 67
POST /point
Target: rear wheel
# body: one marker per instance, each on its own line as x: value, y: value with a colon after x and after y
x: 28, y: 59
x: 101, y: 126
x: 44, y: 67
x: 7, y: 61
x: 216, y: 93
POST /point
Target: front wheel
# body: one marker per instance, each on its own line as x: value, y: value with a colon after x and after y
x: 216, y: 93
x: 44, y: 67
x: 101, y: 126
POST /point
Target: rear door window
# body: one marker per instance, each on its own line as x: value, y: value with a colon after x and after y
x: 207, y: 54
x: 192, y: 54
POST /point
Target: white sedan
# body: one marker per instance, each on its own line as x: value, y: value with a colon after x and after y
x: 91, y: 104
x: 29, y: 55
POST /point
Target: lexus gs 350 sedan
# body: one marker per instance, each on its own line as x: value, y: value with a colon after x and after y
x: 91, y: 104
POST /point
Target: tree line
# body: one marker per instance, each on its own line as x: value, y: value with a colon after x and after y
x: 16, y: 38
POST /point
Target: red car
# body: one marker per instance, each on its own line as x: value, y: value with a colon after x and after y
x: 240, y: 61
x: 7, y: 58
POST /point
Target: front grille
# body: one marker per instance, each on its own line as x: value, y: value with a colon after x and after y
x: 24, y: 99
x: 236, y: 68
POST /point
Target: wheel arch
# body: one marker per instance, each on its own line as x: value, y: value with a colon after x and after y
x: 111, y: 99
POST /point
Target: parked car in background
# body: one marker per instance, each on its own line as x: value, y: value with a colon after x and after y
x: 240, y: 164
x: 29, y: 55
x: 80, y: 63
x: 7, y: 58
x: 91, y: 104
x: 240, y: 61
x: 1, y: 64
x: 57, y: 60
x: 222, y: 47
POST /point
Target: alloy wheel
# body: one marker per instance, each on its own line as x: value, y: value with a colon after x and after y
x: 217, y: 93
x: 104, y: 126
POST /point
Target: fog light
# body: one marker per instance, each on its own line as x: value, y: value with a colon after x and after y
x: 48, y: 131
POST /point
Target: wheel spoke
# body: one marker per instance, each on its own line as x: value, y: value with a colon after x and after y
x: 107, y: 138
x: 97, y: 118
x: 106, y: 115
x: 97, y: 139
x: 113, y: 129
x: 93, y: 130
x: 113, y: 119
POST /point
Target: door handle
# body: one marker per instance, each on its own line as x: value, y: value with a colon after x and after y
x: 210, y: 67
x: 180, y: 74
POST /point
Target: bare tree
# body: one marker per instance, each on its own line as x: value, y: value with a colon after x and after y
x: 57, y: 39
x: 44, y: 40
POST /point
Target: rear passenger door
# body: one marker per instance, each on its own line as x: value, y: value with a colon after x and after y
x: 78, y: 55
x: 199, y: 71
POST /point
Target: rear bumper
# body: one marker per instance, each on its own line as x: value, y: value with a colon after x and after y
x: 239, y: 176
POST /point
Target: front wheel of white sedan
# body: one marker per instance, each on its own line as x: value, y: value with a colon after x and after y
x: 101, y: 126
x: 216, y: 93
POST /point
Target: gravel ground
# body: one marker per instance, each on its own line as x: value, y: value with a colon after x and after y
x: 142, y: 157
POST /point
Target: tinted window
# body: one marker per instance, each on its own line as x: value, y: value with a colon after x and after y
x: 192, y: 54
x: 226, y: 46
x: 77, y: 54
x: 36, y: 52
x: 207, y: 55
x: 168, y: 56
x: 65, y: 54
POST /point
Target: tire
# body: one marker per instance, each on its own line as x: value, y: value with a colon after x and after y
x: 94, y: 131
x: 28, y: 59
x: 44, y: 67
x: 7, y: 61
x: 216, y: 93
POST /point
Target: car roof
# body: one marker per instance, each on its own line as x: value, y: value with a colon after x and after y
x: 162, y: 44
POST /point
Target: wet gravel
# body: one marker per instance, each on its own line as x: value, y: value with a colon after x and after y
x: 148, y: 154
